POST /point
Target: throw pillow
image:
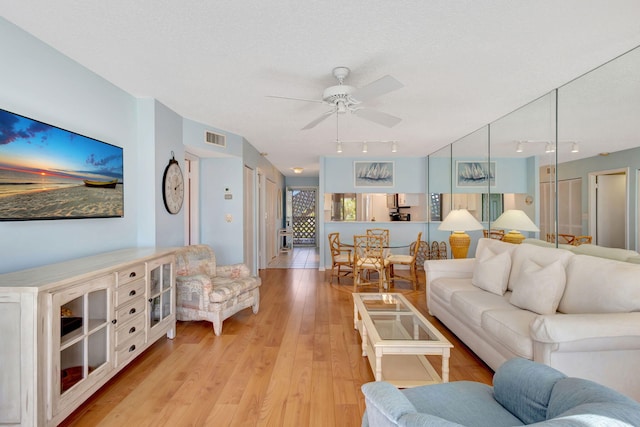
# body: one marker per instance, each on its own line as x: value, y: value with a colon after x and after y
x: 539, y: 289
x: 491, y: 272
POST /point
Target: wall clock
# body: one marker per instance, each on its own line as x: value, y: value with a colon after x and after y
x: 173, y: 186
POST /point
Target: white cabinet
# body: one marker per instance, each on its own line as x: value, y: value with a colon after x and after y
x: 68, y: 328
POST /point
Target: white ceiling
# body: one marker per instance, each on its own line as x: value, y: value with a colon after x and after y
x: 463, y: 63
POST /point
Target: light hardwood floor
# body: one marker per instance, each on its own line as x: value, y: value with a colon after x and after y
x: 296, y: 363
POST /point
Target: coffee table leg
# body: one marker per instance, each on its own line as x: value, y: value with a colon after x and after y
x: 364, y: 340
x: 378, y: 365
x: 355, y: 316
x: 445, y: 365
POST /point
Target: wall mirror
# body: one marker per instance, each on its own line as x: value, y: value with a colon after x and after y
x: 438, y: 183
x: 598, y: 154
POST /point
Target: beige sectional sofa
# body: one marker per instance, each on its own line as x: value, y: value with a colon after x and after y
x: 577, y: 313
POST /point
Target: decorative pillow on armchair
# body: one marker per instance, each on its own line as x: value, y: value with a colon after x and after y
x: 539, y: 289
x: 491, y: 271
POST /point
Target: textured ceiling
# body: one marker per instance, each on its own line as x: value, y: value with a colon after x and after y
x: 463, y: 63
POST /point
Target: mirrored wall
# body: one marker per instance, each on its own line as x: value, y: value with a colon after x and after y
x: 569, y: 159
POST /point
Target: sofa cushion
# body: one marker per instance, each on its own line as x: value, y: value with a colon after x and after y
x: 604, y: 252
x: 463, y: 402
x: 525, y: 389
x: 469, y: 305
x: 539, y: 288
x: 511, y: 329
x: 600, y: 285
x: 572, y: 397
x: 445, y: 287
x: 491, y: 271
x: 538, y: 254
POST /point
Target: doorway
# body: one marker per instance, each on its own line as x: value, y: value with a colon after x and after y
x: 191, y: 200
x: 608, y: 207
x: 302, y: 215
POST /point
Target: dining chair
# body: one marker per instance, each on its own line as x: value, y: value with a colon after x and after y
x: 435, y: 250
x: 494, y: 234
x: 407, y: 260
x: 421, y: 249
x: 582, y: 240
x: 566, y: 238
x: 384, y: 232
x: 341, y: 258
x: 368, y: 257
x: 442, y: 251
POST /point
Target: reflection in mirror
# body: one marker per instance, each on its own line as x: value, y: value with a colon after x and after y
x: 522, y: 145
x: 472, y: 172
x: 598, y: 154
x: 439, y: 182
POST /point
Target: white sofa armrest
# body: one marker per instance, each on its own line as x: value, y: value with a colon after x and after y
x: 455, y: 268
x: 557, y: 328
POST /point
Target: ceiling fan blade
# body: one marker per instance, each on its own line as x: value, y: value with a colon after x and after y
x: 318, y: 120
x: 381, y: 86
x: 295, y: 99
x: 379, y: 117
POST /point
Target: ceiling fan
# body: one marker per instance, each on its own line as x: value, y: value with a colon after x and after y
x: 342, y: 98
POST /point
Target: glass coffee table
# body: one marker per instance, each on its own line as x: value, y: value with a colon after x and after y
x: 396, y: 338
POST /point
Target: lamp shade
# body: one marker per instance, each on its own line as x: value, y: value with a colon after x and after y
x: 460, y: 220
x: 514, y: 219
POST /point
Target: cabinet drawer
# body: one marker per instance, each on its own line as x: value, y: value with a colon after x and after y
x: 129, y: 311
x: 127, y: 330
x: 130, y: 350
x: 130, y: 291
x: 130, y: 274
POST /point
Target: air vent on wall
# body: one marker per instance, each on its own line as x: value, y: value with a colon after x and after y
x: 215, y: 139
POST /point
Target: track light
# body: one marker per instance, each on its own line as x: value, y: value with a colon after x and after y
x: 550, y: 148
x: 364, y: 147
x: 575, y: 148
x: 520, y: 147
x: 394, y: 147
x: 339, y: 147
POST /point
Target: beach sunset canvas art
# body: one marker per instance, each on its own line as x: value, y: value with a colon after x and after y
x: 50, y: 173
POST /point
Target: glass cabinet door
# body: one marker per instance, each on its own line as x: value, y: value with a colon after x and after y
x: 161, y: 287
x: 80, y: 335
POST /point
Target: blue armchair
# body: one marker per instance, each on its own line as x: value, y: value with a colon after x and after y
x: 523, y: 393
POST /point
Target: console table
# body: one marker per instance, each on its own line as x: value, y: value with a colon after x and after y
x: 68, y: 328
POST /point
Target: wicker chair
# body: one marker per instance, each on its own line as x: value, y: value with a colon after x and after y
x: 341, y: 258
x: 408, y: 260
x: 368, y: 257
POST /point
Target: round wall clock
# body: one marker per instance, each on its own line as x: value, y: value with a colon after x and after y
x: 173, y: 187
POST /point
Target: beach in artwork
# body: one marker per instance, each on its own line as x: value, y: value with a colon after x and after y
x: 66, y: 202
x: 50, y: 173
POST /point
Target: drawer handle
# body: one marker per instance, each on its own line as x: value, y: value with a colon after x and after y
x: 132, y: 330
x: 132, y: 293
x: 133, y: 310
x: 132, y: 348
x: 132, y: 274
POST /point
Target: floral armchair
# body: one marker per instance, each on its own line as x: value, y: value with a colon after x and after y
x: 206, y: 291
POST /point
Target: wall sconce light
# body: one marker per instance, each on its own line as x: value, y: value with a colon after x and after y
x: 339, y: 147
x: 297, y: 170
x: 575, y: 148
x: 364, y: 147
x: 520, y: 147
x: 394, y: 147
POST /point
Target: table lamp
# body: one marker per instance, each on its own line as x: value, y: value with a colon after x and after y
x: 514, y: 220
x: 459, y: 221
